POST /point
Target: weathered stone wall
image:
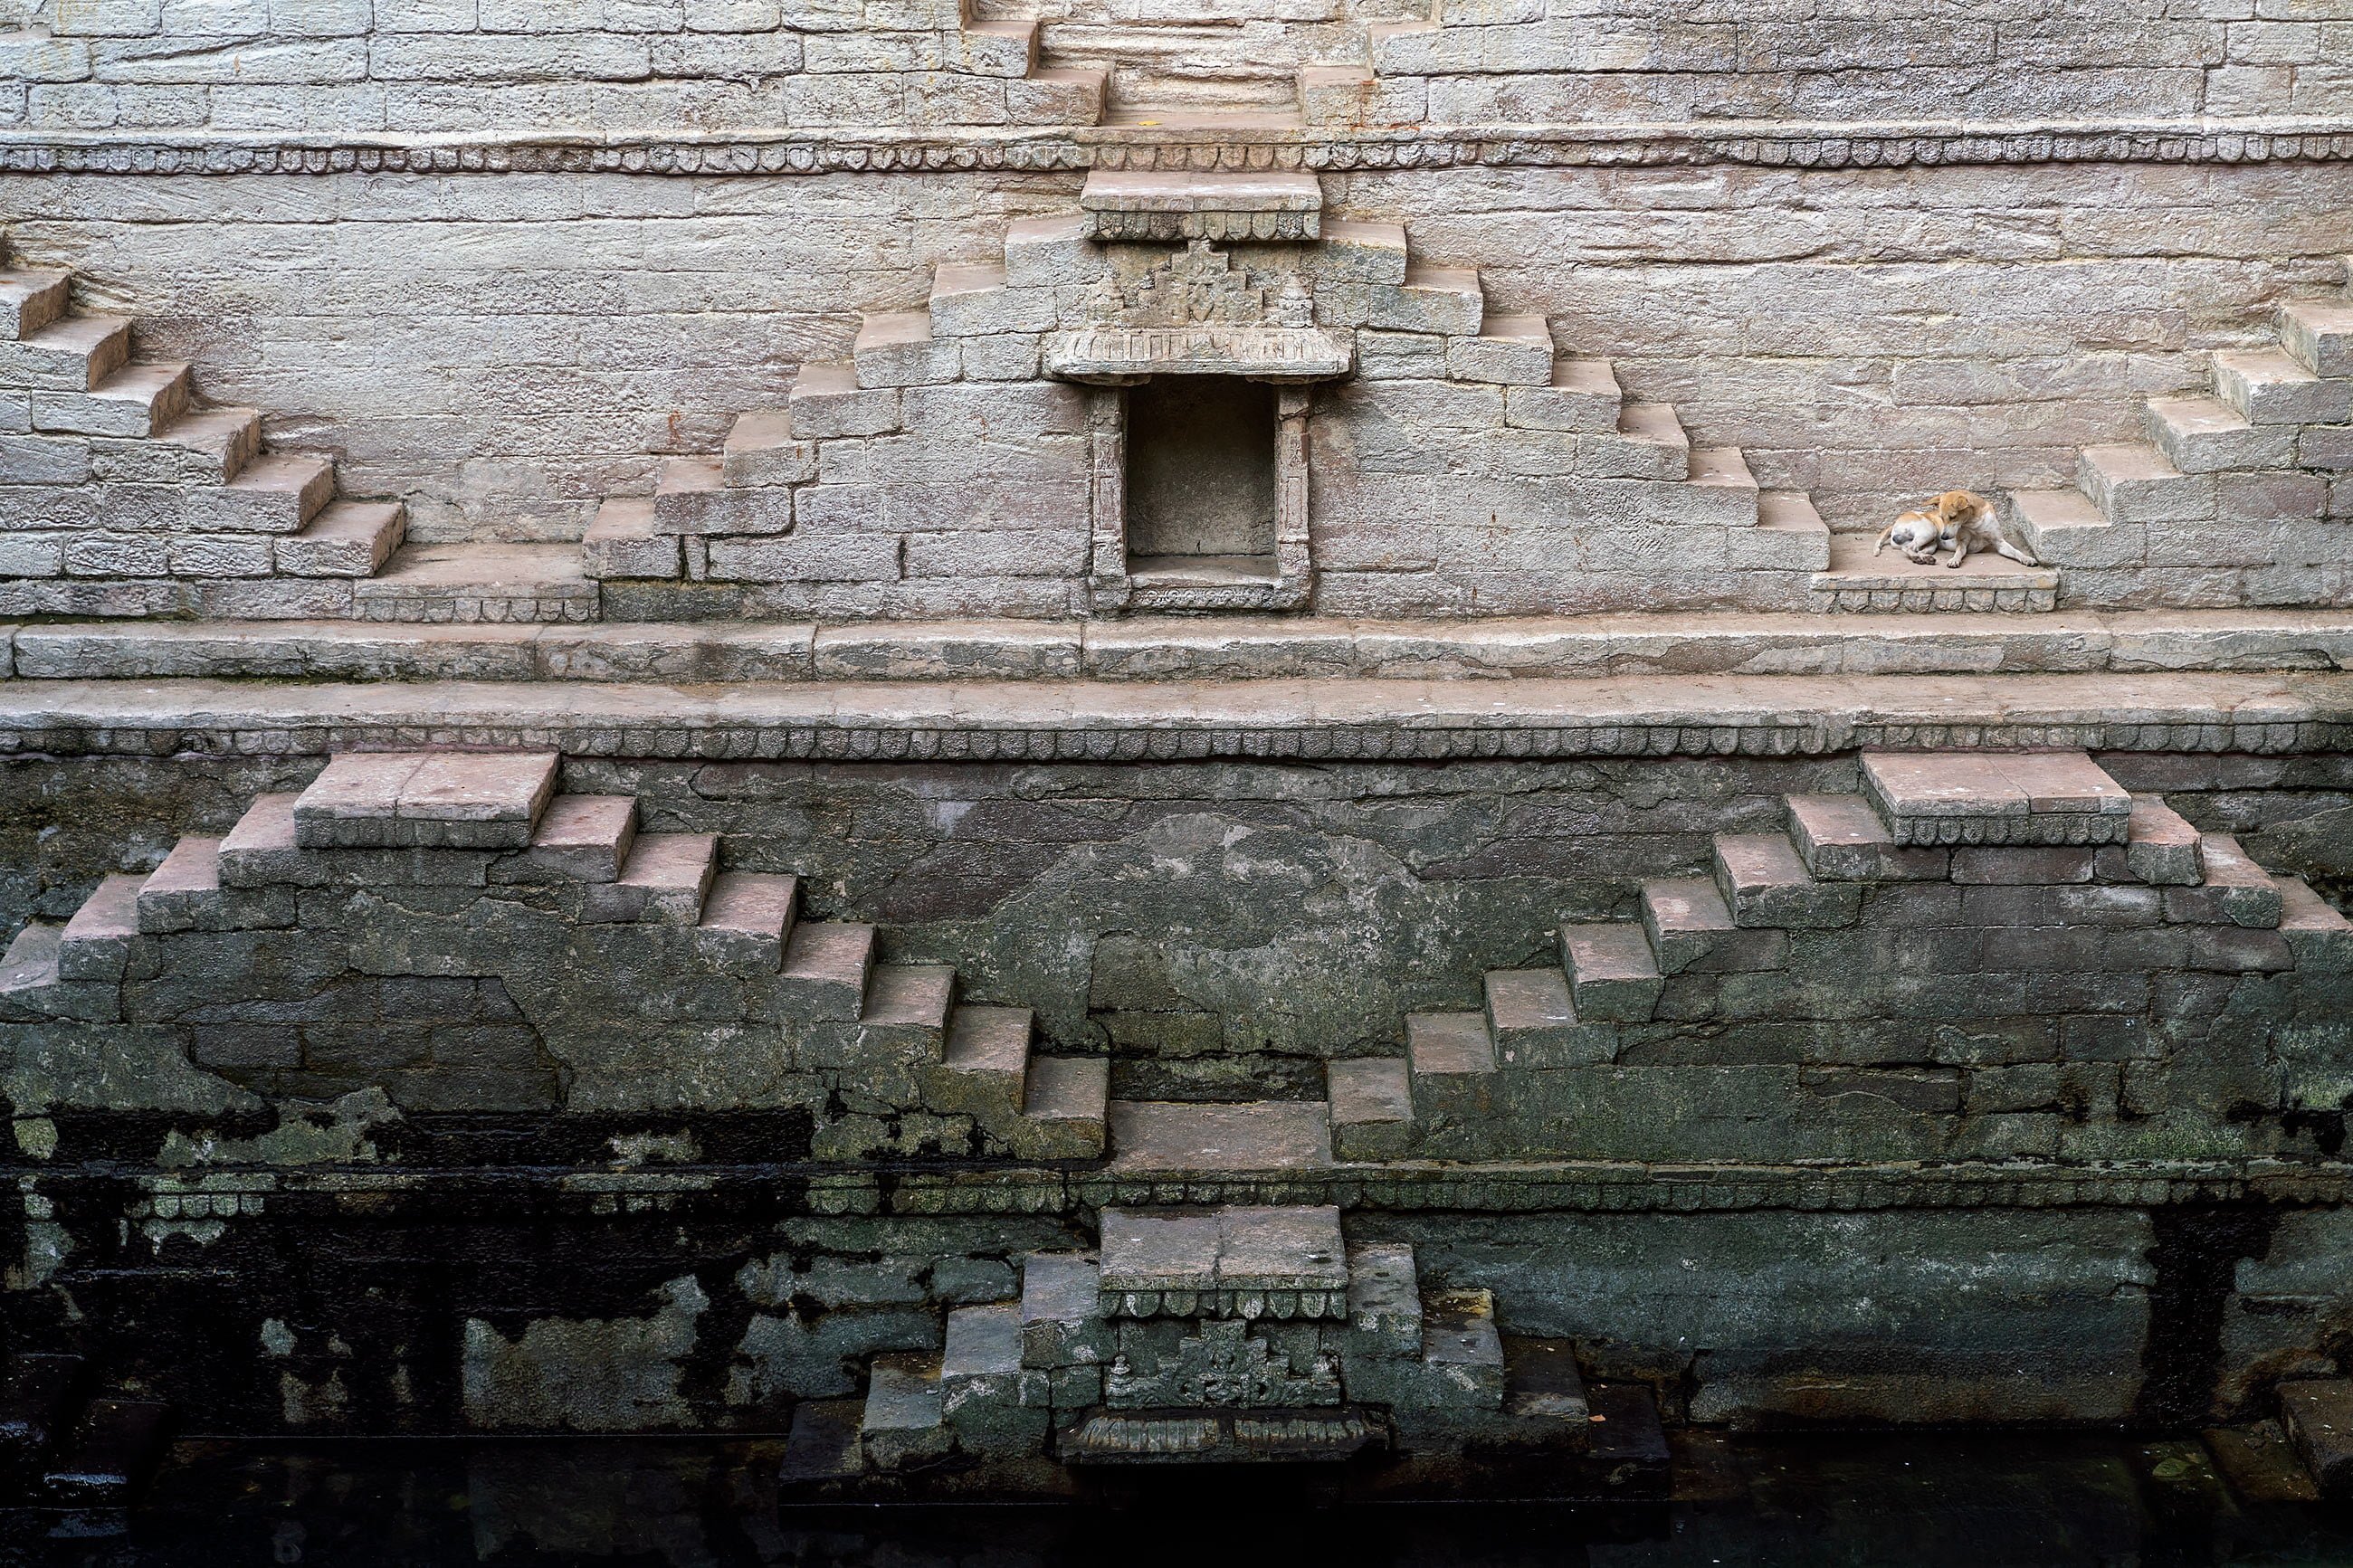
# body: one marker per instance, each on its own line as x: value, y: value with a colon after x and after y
x: 504, y: 351
x: 426, y: 66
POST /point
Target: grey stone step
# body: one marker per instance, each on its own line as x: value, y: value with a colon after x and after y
x: 184, y: 893
x: 694, y: 500
x: 1074, y: 1090
x: 989, y: 1050
x: 827, y: 401
x: 2269, y: 386
x: 2161, y: 847
x: 980, y: 1380
x: 346, y: 538
x: 137, y: 400
x: 1531, y: 1019
x: 2318, y: 1415
x: 1371, y: 1107
x: 2319, y: 334
x: 203, y: 446
x: 1989, y: 798
x: 1723, y: 472
x: 896, y: 349
x: 468, y: 584
x: 982, y: 1342
x: 902, y: 1424
x: 72, y: 353
x: 29, y: 969
x: 1842, y: 840
x: 746, y: 919
x: 999, y: 46
x: 1582, y: 396
x: 2233, y: 890
x: 1449, y: 1044
x: 456, y: 800
x: 1061, y: 1325
x: 1510, y: 351
x: 1384, y: 1299
x: 2320, y: 938
x: 1765, y: 884
x: 2205, y: 436
x: 1789, y: 535
x: 1691, y: 929
x: 1650, y: 444
x: 827, y: 965
x: 761, y: 450
x: 1232, y: 1260
x: 1543, y: 1381
x: 96, y: 943
x: 665, y: 881
x: 1058, y: 95
x: 907, y: 1009
x: 31, y: 297
x: 278, y: 493
x: 2067, y: 528
x: 1859, y: 580
x: 579, y: 838
x: 2132, y: 482
x: 1612, y: 975
x: 622, y: 541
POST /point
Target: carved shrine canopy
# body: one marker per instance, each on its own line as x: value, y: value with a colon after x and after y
x: 1199, y: 314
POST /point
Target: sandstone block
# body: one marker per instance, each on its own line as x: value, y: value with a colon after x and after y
x: 2234, y: 890
x: 1765, y: 884
x: 2162, y: 846
x: 2205, y: 436
x: 898, y: 349
x: 1371, y: 1102
x: 2138, y: 484
x: 827, y: 966
x: 665, y: 880
x: 625, y: 541
x: 1611, y: 973
x: 827, y: 401
x: 761, y: 450
x: 1510, y: 351
x: 426, y: 799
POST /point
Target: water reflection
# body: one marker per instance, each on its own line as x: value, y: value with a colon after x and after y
x: 1973, y: 1502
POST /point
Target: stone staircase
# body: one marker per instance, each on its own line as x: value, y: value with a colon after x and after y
x: 472, y: 865
x: 2238, y: 494
x: 812, y: 494
x: 1233, y: 1333
x: 123, y: 494
x: 2025, y: 894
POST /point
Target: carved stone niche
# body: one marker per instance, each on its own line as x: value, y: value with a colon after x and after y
x: 1203, y: 381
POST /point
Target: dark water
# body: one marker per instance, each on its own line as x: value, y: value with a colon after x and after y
x: 1974, y: 1501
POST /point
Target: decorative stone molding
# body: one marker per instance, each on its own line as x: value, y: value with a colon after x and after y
x: 1792, y: 144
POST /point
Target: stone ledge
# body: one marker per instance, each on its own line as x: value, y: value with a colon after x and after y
x: 1583, y: 1187
x: 1797, y: 144
x: 1232, y: 647
x: 1318, y: 721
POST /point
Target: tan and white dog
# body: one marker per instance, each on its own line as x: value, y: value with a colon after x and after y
x: 1961, y: 522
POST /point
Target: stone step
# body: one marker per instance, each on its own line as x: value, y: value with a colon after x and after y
x: 96, y: 943
x: 1159, y: 1137
x: 1531, y: 1019
x: 1612, y: 975
x: 2231, y: 891
x: 2067, y: 528
x: 468, y: 584
x: 1542, y: 1381
x: 998, y: 47
x: 1724, y: 469
x: 906, y: 1013
x: 1065, y: 1102
x: 989, y: 1054
x: 181, y: 893
x: 346, y: 538
x: 137, y: 400
x: 1928, y: 798
x: 2160, y: 845
x: 278, y: 493
x: 2270, y: 386
x: 1789, y: 535
x: 1691, y: 929
x: 1858, y: 580
x: 1842, y: 840
x: 581, y: 839
x: 622, y: 541
x: 203, y: 446
x: 1510, y: 351
x: 445, y: 800
x: 29, y: 980
x: 2132, y: 482
x: 903, y: 1424
x: 1453, y: 1061
x: 1371, y: 1100
x: 980, y: 1379
x: 665, y: 881
x: 896, y: 349
x: 973, y: 299
x: 2206, y: 435
x: 1061, y: 1324
x: 1765, y: 884
x: 827, y: 969
x: 1582, y: 395
x: 1385, y: 1298
x: 72, y: 353
x: 1058, y: 95
x: 2320, y: 938
x: 2318, y: 333
x: 821, y: 1445
x: 31, y: 297
x: 1459, y: 1339
x: 1163, y: 207
x: 760, y: 451
x: 1651, y: 437
x: 826, y: 401
x: 1233, y: 1260
x: 117, y: 1444
x: 1446, y: 300
x: 745, y: 920
x: 693, y: 498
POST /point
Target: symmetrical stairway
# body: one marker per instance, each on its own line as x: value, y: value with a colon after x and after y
x: 1966, y: 911
x: 472, y: 865
x: 120, y: 493
x: 2240, y: 495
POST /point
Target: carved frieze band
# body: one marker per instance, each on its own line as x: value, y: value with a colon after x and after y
x: 1780, y: 145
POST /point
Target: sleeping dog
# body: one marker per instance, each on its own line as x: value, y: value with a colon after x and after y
x: 1959, y: 520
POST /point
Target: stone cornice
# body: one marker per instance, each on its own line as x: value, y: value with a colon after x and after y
x: 1779, y: 144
